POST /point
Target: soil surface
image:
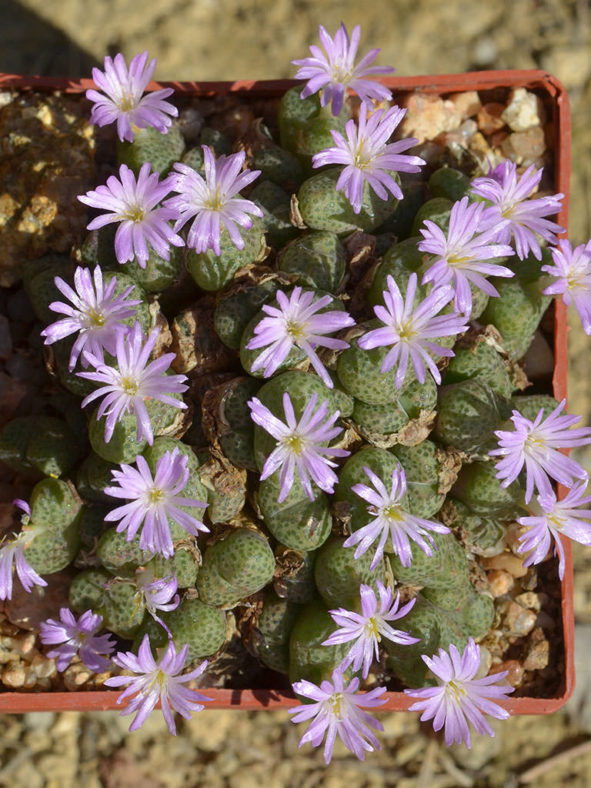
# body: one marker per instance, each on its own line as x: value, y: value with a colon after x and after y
x: 230, y: 39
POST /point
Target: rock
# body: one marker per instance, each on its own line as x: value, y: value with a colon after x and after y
x: 500, y: 582
x: 517, y: 619
x: 525, y: 147
x: 468, y: 104
x: 428, y: 116
x: 507, y: 562
x: 538, y: 651
x: 524, y: 110
x: 514, y: 671
x: 489, y: 117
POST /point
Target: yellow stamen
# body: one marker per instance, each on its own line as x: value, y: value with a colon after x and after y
x: 130, y: 386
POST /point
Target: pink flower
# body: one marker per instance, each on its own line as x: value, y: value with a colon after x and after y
x: 123, y: 100
x: 73, y: 636
x: 460, y: 254
x: 512, y: 215
x: 556, y: 519
x: 411, y: 330
x: 367, y: 156
x: 12, y: 555
x: 390, y: 520
x: 152, y: 501
x: 369, y: 627
x: 157, y: 681
x: 212, y: 202
x: 459, y: 698
x: 96, y: 314
x: 572, y: 278
x: 336, y: 711
x: 536, y: 445
x: 134, y: 380
x: 133, y: 204
x: 301, y: 446
x: 297, y: 322
x: 336, y: 71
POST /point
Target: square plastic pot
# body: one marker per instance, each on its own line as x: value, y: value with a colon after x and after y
x: 555, y: 100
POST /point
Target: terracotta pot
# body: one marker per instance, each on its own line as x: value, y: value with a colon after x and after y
x: 555, y: 98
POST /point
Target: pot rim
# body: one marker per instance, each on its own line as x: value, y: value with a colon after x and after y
x: 269, y: 699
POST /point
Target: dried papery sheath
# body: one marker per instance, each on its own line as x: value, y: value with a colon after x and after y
x: 123, y: 101
x: 134, y: 204
x: 95, y: 313
x: 334, y: 70
x: 368, y: 158
x: 127, y: 386
x: 459, y: 698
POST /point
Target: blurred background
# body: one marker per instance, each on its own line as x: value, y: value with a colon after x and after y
x: 257, y: 39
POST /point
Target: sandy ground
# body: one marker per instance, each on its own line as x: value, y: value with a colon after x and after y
x: 228, y: 39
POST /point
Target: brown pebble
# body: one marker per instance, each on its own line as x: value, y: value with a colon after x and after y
x: 517, y: 619
x: 489, y: 117
x: 468, y: 104
x: 514, y: 671
x: 525, y: 147
x: 480, y: 147
x: 507, y: 562
x: 500, y: 582
x: 538, y: 652
x: 523, y: 110
x: 427, y: 116
x: 14, y: 676
x: 530, y: 600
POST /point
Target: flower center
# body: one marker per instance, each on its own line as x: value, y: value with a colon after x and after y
x: 556, y: 521
x: 216, y: 201
x: 363, y: 158
x: 126, y: 102
x: 456, y: 691
x: 371, y: 628
x: 392, y: 512
x: 95, y: 318
x: 296, y: 330
x: 155, y: 496
x: 336, y: 702
x: 407, y: 330
x: 134, y: 213
x: 341, y: 72
x: 295, y: 443
x: 130, y: 386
